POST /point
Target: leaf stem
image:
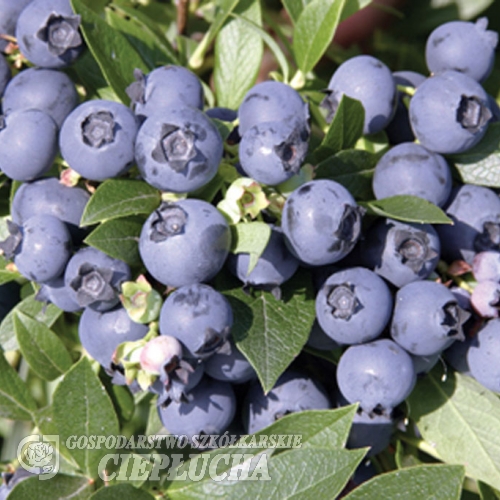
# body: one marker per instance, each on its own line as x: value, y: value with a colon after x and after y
x: 420, y: 444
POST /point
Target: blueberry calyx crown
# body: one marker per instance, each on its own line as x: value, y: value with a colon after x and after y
x: 214, y: 341
x: 137, y: 90
x: 349, y: 228
x: 10, y: 245
x: 60, y: 33
x: 414, y: 249
x: 292, y: 150
x: 170, y: 221
x: 98, y: 129
x: 453, y: 317
x: 343, y: 301
x: 489, y: 239
x: 472, y: 114
x: 174, y: 377
x: 93, y: 284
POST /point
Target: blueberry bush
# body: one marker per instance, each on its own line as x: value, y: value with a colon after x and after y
x: 264, y: 228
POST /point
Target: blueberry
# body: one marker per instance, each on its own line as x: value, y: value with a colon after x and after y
x: 483, y: 356
x: 199, y: 317
x: 424, y: 364
x: 272, y: 102
x: 275, y: 266
x: 410, y: 169
x: 321, y: 222
x: 57, y: 293
x: 9, y: 13
x: 378, y: 374
x: 293, y: 392
x: 163, y: 88
x: 354, y: 306
x: 93, y: 279
x: 401, y: 252
x: 97, y: 139
x: 318, y: 339
x: 369, y: 81
x: 475, y: 211
x: 486, y: 266
x: 49, y: 90
x: 28, y: 144
x: 48, y: 33
x: 40, y: 247
x: 427, y: 318
x: 462, y: 46
x: 210, y: 410
x: 222, y: 114
x: 449, y: 113
x: 5, y: 74
x: 462, y: 296
x: 102, y: 332
x: 456, y: 355
x: 272, y: 152
x: 230, y: 365
x: 184, y: 242
x: 485, y: 299
x: 178, y: 150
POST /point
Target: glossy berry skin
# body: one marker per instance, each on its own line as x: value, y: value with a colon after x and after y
x: 94, y: 279
x: 47, y: 32
x: 486, y: 266
x: 401, y: 252
x: 378, y: 374
x: 410, y: 169
x: 271, y: 102
x: 178, y: 149
x: 102, y: 332
x: 275, y: 266
x: 272, y: 152
x: 449, y: 113
x: 475, y: 211
x: 293, y: 392
x: 165, y: 87
x: 9, y: 13
x: 199, y: 317
x: 369, y: 81
x: 185, y: 242
x: 230, y: 366
x: 97, y: 139
x: 57, y: 293
x: 483, y: 356
x: 5, y: 74
x: 424, y: 364
x: 426, y: 318
x: 49, y: 90
x: 462, y: 46
x: 321, y: 222
x: 44, y: 250
x: 210, y: 410
x: 28, y: 144
x: 354, y: 306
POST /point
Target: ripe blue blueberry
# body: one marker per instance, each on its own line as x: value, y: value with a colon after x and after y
x: 94, y: 279
x: 165, y: 87
x: 199, y: 317
x: 293, y: 392
x: 485, y: 299
x: 378, y: 374
x: 462, y: 46
x: 321, y: 222
x: 368, y: 80
x: 410, y: 169
x: 401, y: 252
x: 97, y: 139
x: 424, y: 364
x: 449, y: 113
x: 354, y: 306
x: 486, y: 266
x: 57, y: 293
x: 9, y: 13
x: 184, y: 242
x: 318, y: 339
x: 49, y: 90
x: 28, y: 144
x: 426, y: 318
x: 48, y: 33
x: 178, y: 150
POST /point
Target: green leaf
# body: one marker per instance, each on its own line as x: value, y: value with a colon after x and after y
x: 7, y: 276
x: 251, y: 238
x: 16, y: 402
x: 345, y: 129
x: 111, y: 49
x: 486, y: 492
x: 314, y: 31
x: 237, y: 42
x: 353, y: 169
x: 119, y: 238
x: 481, y: 164
x: 41, y: 347
x: 47, y: 314
x: 117, y: 198
x: 295, y: 8
x: 424, y: 482
x: 121, y: 397
x: 59, y: 487
x: 82, y: 407
x: 409, y: 209
x: 460, y: 420
x: 121, y: 492
x: 271, y: 332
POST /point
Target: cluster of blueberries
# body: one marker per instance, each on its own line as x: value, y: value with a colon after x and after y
x: 373, y: 299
